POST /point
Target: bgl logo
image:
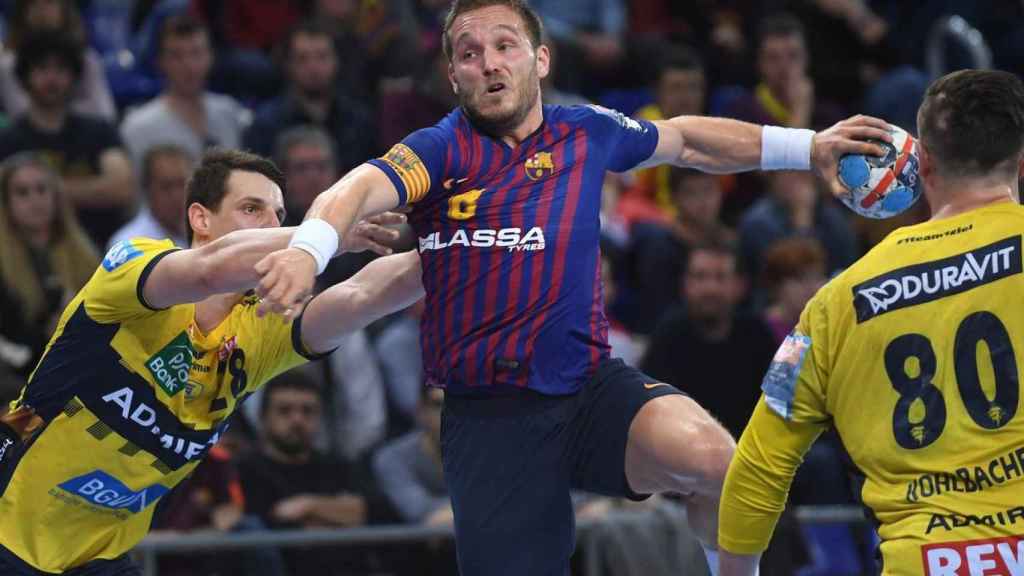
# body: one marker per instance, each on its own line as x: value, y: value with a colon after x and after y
x: 930, y: 281
x: 102, y: 489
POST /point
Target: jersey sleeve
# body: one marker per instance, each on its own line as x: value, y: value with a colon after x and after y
x: 115, y: 291
x: 628, y: 141
x: 787, y: 420
x: 416, y: 164
x: 281, y: 347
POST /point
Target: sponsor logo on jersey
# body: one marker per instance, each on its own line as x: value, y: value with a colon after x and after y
x: 101, y: 489
x: 949, y: 522
x: 144, y: 421
x: 1003, y: 556
x: 540, y: 165
x: 779, y: 384
x: 937, y: 279
x: 514, y: 239
x: 6, y: 444
x: 623, y: 120
x: 193, y: 389
x: 171, y: 365
x: 120, y: 253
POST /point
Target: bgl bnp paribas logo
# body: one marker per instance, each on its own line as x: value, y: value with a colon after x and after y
x: 930, y: 281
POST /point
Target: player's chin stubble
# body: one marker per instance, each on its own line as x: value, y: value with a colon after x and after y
x: 503, y: 122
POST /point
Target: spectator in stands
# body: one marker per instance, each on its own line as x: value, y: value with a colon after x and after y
x: 376, y: 44
x: 184, y: 114
x: 401, y: 112
x: 794, y: 206
x: 211, y: 500
x: 659, y: 251
x: 307, y: 157
x: 45, y: 257
x: 622, y: 341
x: 86, y: 151
x: 589, y: 34
x: 408, y: 469
x: 794, y: 269
x: 91, y: 95
x: 398, y: 352
x: 289, y: 484
x: 313, y: 97
x: 244, y: 34
x: 679, y: 89
x: 697, y: 346
x: 165, y: 172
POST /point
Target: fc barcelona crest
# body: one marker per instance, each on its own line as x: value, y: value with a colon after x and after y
x: 540, y: 165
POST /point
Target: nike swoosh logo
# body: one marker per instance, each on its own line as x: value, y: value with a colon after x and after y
x: 650, y: 385
x: 451, y: 183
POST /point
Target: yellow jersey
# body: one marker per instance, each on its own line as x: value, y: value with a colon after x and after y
x: 913, y: 354
x: 130, y: 398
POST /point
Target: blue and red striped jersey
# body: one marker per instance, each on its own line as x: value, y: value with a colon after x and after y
x: 509, y: 242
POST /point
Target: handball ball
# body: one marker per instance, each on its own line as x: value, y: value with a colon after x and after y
x: 882, y: 186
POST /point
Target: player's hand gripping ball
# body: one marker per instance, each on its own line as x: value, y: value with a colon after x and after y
x: 882, y: 186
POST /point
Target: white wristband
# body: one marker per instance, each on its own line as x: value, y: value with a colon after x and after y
x: 319, y: 239
x: 786, y: 148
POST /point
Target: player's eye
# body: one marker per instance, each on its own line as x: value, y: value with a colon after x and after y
x: 468, y: 54
x: 251, y: 209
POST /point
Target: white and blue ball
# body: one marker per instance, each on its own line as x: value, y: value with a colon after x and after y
x: 882, y: 186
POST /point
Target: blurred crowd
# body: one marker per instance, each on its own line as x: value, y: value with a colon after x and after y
x: 107, y: 104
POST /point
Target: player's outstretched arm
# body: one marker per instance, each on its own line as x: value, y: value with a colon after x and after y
x: 228, y: 264
x: 382, y: 287
x: 288, y: 274
x: 757, y: 485
x: 724, y: 145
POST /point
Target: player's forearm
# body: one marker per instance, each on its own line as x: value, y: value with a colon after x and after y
x: 382, y: 287
x: 228, y: 263
x: 730, y: 564
x: 361, y: 193
x: 341, y: 510
x: 102, y: 191
x: 758, y: 481
x: 718, y: 145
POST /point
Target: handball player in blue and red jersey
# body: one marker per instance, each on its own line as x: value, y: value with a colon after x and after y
x: 505, y: 195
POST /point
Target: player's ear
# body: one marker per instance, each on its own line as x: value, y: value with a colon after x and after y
x: 451, y: 77
x: 199, y: 219
x: 543, y: 61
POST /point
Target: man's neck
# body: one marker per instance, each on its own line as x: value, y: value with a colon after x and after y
x: 713, y: 329
x: 284, y: 458
x: 47, y: 119
x: 528, y: 126
x: 952, y: 197
x: 184, y: 101
x: 316, y: 106
x: 214, y: 310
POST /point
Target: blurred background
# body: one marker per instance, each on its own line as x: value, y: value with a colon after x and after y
x: 105, y: 106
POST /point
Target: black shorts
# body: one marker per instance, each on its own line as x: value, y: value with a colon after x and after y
x: 510, y: 462
x: 11, y: 565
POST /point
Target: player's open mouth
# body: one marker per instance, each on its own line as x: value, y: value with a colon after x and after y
x: 495, y: 88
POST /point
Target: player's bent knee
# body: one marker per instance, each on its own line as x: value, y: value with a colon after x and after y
x: 682, y: 448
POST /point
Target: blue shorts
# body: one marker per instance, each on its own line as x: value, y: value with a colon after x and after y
x: 11, y: 565
x: 510, y: 462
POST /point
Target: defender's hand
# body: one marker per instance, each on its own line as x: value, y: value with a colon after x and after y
x: 287, y: 281
x: 373, y: 234
x: 846, y: 137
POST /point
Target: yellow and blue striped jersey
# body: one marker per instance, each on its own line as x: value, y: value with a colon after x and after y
x: 131, y: 398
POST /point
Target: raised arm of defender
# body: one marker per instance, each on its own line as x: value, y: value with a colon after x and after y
x: 228, y: 264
